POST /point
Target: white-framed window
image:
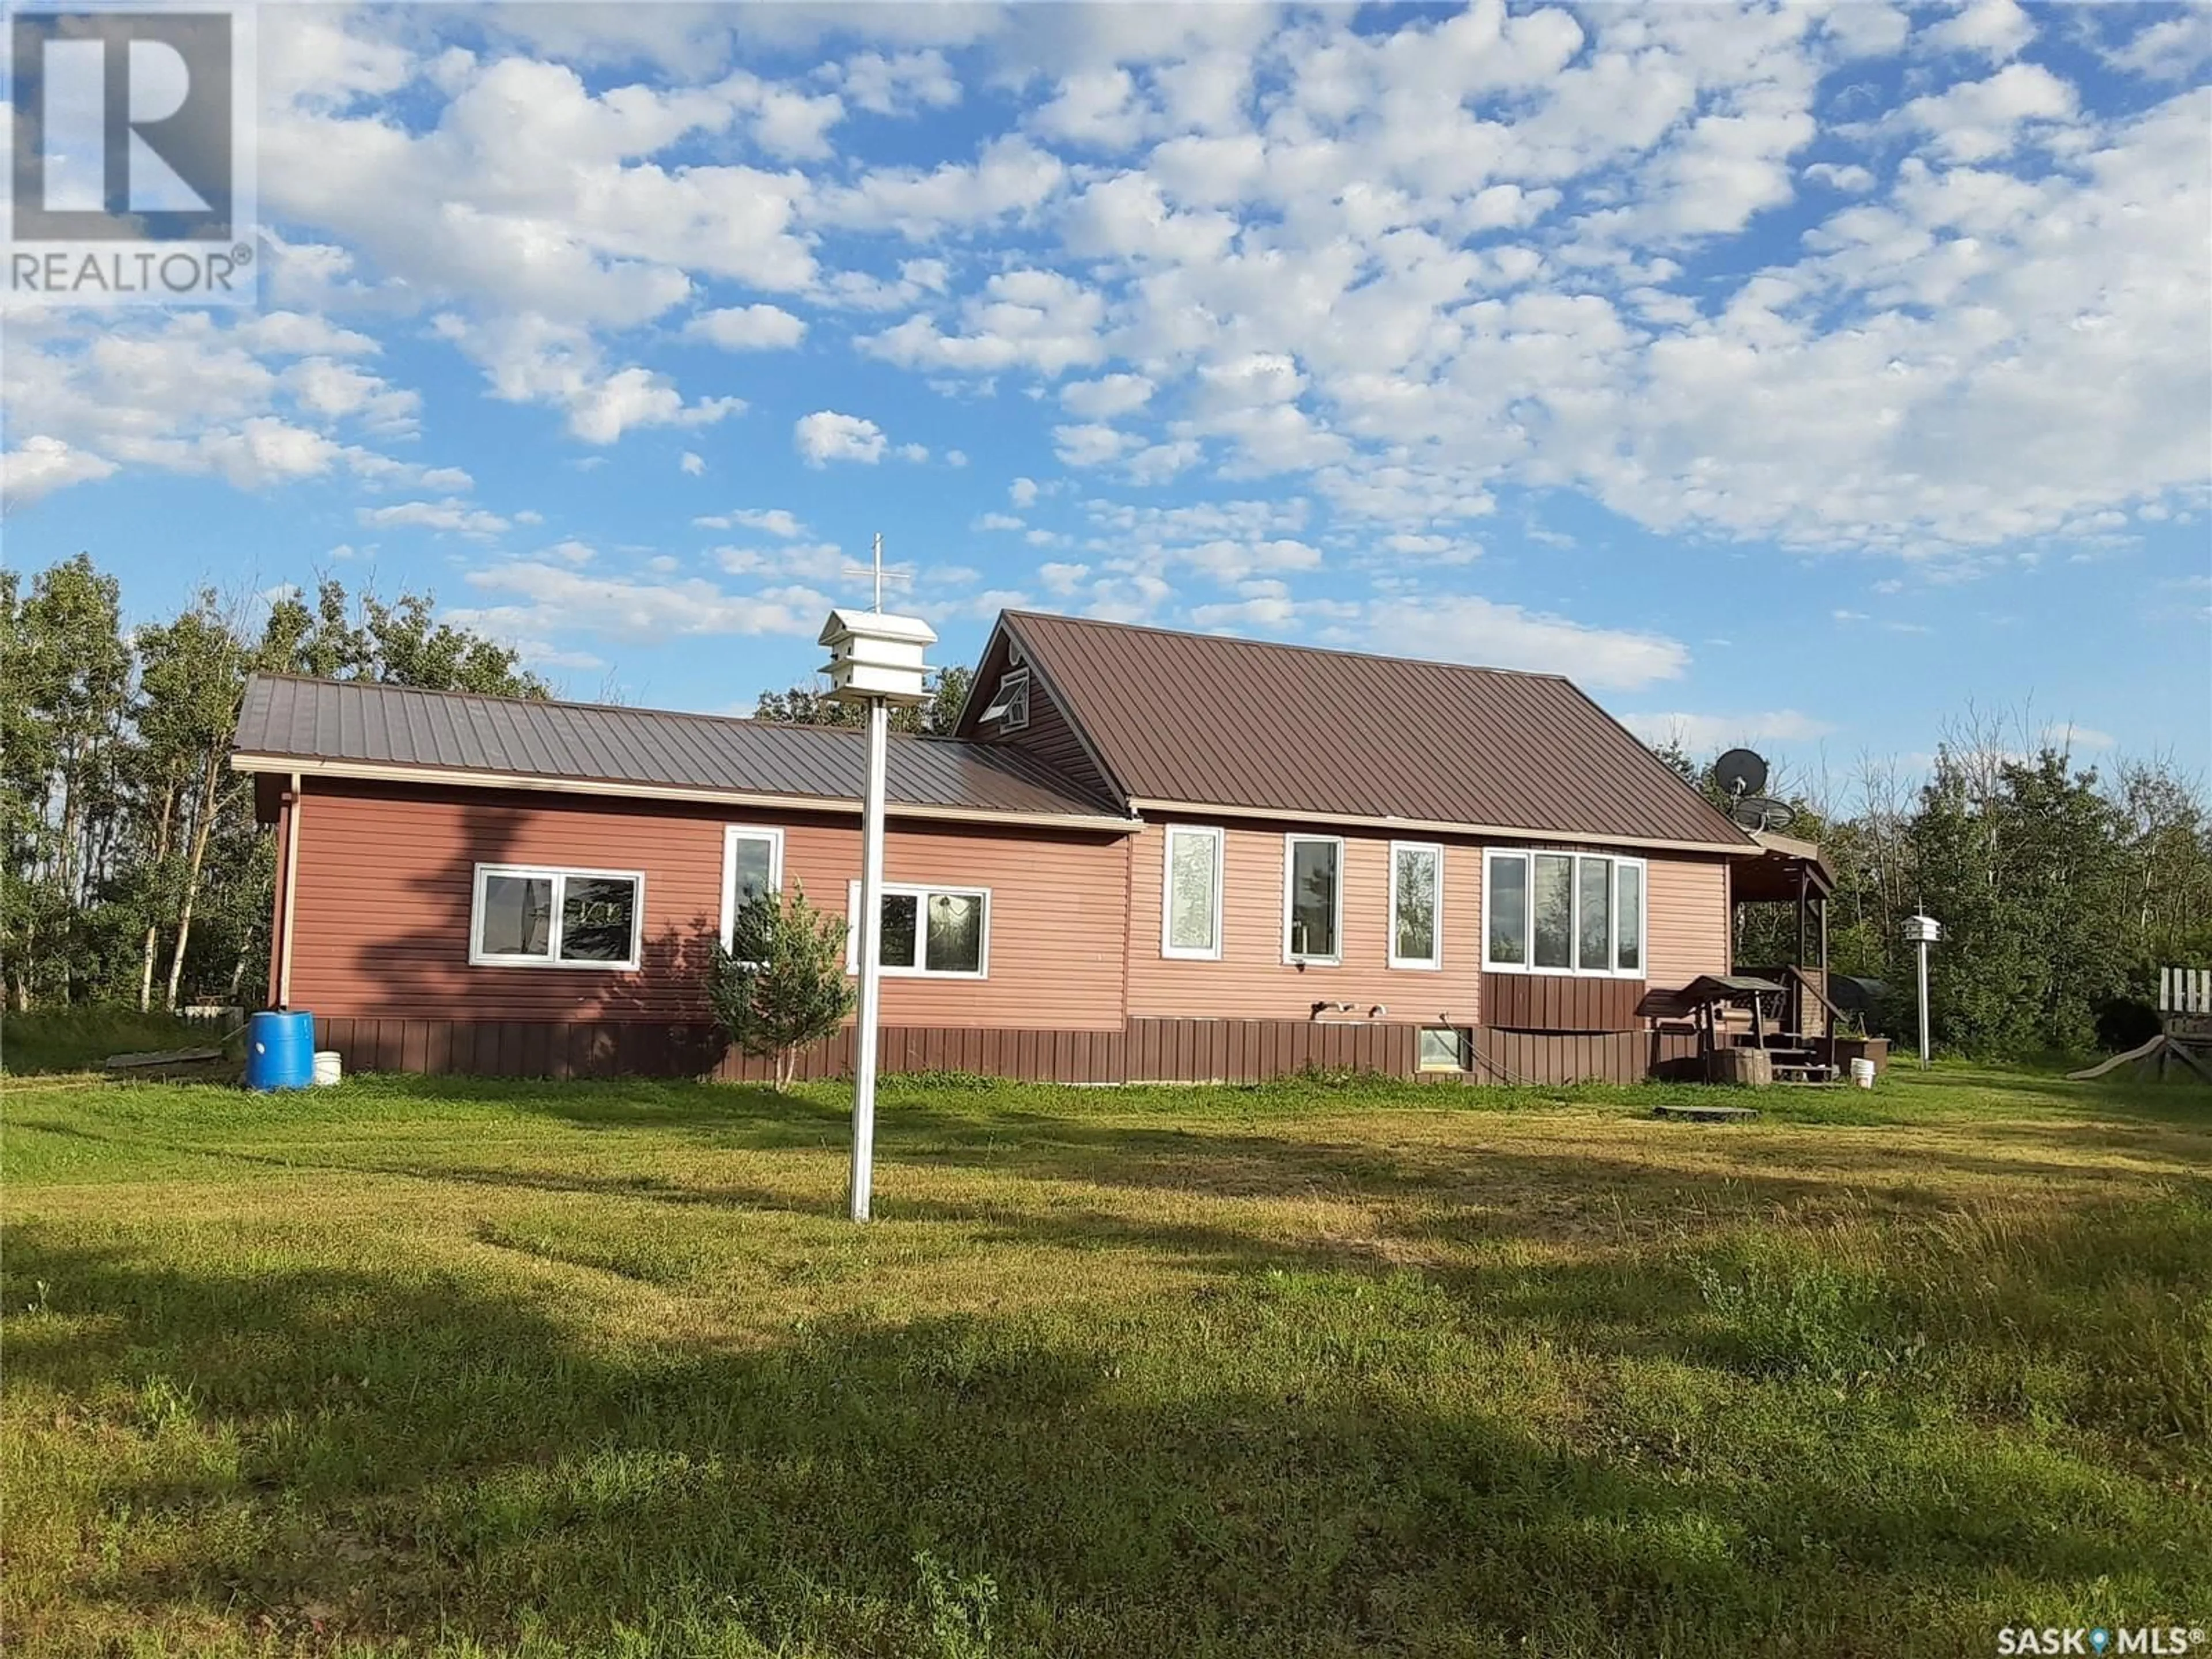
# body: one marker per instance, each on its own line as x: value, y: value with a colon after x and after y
x: 752, y: 863
x: 1546, y: 912
x: 1011, y: 702
x: 929, y: 931
x: 1416, y: 905
x: 527, y: 915
x: 1313, y: 898
x: 1190, y: 893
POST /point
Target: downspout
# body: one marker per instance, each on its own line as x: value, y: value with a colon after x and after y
x: 291, y: 886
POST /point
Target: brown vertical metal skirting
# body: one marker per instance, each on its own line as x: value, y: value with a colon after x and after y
x: 1149, y: 1050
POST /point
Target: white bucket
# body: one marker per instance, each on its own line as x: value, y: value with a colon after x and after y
x: 1862, y: 1072
x: 330, y: 1066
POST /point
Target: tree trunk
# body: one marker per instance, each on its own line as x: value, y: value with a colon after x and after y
x: 210, y: 780
x: 154, y: 927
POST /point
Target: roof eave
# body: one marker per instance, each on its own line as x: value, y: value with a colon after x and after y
x: 1148, y: 803
x: 376, y: 772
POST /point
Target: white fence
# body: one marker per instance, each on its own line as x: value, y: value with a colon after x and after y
x: 2184, y: 991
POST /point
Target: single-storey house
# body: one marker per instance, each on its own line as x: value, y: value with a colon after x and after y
x: 1142, y: 855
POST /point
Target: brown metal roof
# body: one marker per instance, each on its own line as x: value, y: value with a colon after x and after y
x: 1205, y: 720
x: 339, y: 725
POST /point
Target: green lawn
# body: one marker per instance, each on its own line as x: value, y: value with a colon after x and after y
x: 442, y: 1367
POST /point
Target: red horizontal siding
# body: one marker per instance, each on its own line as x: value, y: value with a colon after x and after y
x: 386, y: 874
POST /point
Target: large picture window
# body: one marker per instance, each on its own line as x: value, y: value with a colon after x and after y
x: 752, y: 863
x: 937, y: 932
x: 1563, y: 913
x: 1190, y: 895
x: 1313, y: 898
x: 1417, y: 934
x: 531, y: 916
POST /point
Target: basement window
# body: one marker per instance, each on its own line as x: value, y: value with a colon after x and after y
x: 532, y: 916
x: 1446, y: 1048
x: 932, y: 932
x: 1563, y: 913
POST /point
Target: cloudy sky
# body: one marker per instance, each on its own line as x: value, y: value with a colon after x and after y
x: 1794, y: 376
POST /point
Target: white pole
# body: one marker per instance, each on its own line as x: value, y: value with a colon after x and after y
x: 1923, y: 1005
x: 871, y: 955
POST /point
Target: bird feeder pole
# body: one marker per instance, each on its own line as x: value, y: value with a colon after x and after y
x: 1921, y: 932
x: 875, y: 662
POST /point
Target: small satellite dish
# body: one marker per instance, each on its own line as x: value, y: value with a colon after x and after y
x: 1741, y: 773
x: 1763, y: 813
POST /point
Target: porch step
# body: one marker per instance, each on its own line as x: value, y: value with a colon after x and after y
x: 1805, y: 1075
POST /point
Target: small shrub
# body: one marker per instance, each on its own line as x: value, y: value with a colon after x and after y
x: 781, y: 985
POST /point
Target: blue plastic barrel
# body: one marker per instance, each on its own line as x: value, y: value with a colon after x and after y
x: 280, y: 1051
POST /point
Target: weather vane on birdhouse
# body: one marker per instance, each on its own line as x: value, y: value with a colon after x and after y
x: 875, y: 570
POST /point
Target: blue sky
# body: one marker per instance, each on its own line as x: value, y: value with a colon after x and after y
x: 1793, y: 376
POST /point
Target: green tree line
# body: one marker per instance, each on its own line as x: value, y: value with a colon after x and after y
x: 2063, y: 888
x: 135, y: 872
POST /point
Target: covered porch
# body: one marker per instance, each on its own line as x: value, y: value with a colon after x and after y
x: 1794, y: 1012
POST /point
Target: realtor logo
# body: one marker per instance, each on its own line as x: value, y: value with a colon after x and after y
x: 132, y: 177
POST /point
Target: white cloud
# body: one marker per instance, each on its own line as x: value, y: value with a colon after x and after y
x: 999, y: 521
x: 2065, y: 734
x: 1993, y: 29
x: 1010, y: 178
x: 1848, y: 178
x: 1106, y: 397
x: 43, y: 466
x: 776, y: 520
x: 899, y: 84
x: 1089, y: 445
x: 528, y: 359
x: 748, y: 328
x: 1038, y: 319
x: 691, y: 463
x: 335, y: 390
x: 1466, y: 628
x: 1229, y: 561
x: 1980, y: 120
x: 1023, y: 492
x: 1268, y: 605
x: 179, y: 392
x: 826, y: 436
x: 1704, y: 733
x: 818, y: 561
x: 454, y: 517
x: 2168, y: 50
x: 542, y: 601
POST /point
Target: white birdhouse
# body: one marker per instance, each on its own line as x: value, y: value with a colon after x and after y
x: 873, y: 655
x: 1923, y: 930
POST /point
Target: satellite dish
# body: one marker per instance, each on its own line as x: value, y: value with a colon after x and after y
x: 1741, y: 773
x: 1763, y: 813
